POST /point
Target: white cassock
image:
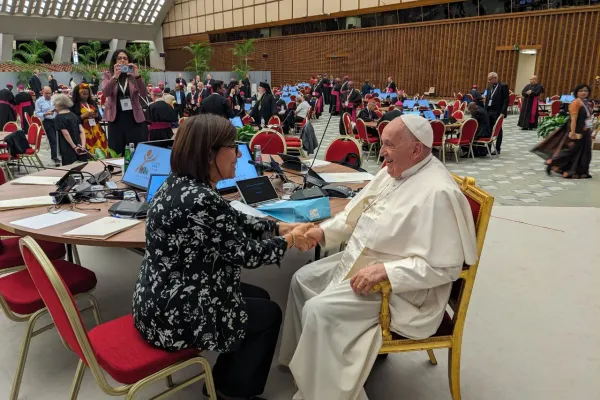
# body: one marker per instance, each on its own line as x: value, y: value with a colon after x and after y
x: 421, y: 228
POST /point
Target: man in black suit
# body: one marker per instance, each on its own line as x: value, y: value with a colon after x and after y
x: 94, y: 84
x: 192, y: 100
x: 209, y: 81
x: 216, y: 103
x: 35, y: 83
x: 204, y: 92
x: 180, y: 81
x: 496, y: 103
x: 180, y: 100
x: 265, y: 106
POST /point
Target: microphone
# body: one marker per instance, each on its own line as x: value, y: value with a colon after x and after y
x: 101, y: 177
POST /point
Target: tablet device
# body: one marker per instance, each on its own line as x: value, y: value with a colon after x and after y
x: 243, y: 170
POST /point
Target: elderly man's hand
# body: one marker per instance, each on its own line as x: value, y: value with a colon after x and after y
x: 363, y: 281
x: 315, y: 235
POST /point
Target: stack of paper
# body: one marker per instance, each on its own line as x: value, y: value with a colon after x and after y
x: 346, y: 177
x: 102, y: 228
x: 26, y: 202
x: 48, y: 219
x: 36, y: 180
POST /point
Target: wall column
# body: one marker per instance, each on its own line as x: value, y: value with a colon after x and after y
x: 114, y: 45
x: 64, y: 49
x: 6, y: 46
x: 157, y: 46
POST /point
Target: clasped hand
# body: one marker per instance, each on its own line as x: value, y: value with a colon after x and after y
x: 306, y: 236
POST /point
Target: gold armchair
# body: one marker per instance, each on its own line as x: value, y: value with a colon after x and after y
x: 449, y: 334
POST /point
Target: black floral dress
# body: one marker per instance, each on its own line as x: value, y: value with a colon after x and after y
x: 188, y: 291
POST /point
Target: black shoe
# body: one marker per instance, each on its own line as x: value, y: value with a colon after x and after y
x: 548, y: 170
x: 221, y: 397
x: 56, y: 162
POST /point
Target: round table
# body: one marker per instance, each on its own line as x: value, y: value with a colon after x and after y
x: 133, y: 238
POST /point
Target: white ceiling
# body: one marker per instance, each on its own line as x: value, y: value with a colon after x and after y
x: 129, y: 11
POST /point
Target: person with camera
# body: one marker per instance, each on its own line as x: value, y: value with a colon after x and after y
x: 123, y: 87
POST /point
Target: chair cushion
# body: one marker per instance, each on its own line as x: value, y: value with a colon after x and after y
x: 22, y: 296
x: 445, y: 329
x: 30, y: 151
x: 11, y: 254
x: 455, y: 141
x: 126, y: 356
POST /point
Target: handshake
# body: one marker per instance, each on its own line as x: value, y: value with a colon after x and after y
x: 301, y: 236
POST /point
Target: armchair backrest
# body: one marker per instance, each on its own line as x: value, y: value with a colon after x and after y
x: 555, y: 107
x: 270, y: 141
x: 341, y: 147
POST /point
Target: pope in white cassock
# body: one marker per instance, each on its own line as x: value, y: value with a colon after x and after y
x: 412, y: 226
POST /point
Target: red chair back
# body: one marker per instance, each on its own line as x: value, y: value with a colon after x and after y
x: 439, y: 130
x: 36, y: 120
x: 340, y: 148
x: 348, y: 123
x: 498, y: 126
x: 555, y: 107
x: 56, y: 295
x: 181, y: 121
x: 293, y: 97
x: 33, y: 136
x: 469, y: 96
x: 378, y: 113
x: 369, y: 96
x: 555, y: 97
x: 10, y: 127
x: 456, y: 105
x: 459, y: 96
x: 437, y: 112
x: 247, y: 120
x: 377, y: 100
x: 458, y: 115
x: 442, y: 103
x: 467, y: 131
x: 511, y: 99
x: 274, y: 120
x: 291, y: 105
x: 391, y: 108
x: 27, y: 118
x: 463, y: 106
x: 270, y: 141
x: 361, y: 128
x: 381, y: 127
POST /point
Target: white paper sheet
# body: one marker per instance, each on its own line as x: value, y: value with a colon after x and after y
x: 48, y: 219
x: 36, y: 180
x: 346, y: 177
x: 246, y: 209
x: 26, y: 202
x: 119, y: 162
x: 318, y: 163
x: 103, y: 228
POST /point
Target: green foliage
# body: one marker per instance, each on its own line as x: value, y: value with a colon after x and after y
x: 245, y: 133
x: 100, y: 154
x: 550, y: 124
x: 32, y: 52
x: 201, y: 54
x: 145, y: 74
x: 25, y: 72
x: 91, y: 53
x: 242, y: 51
x: 140, y: 52
x: 114, y: 154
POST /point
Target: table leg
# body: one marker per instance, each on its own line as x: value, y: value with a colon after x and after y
x: 70, y: 253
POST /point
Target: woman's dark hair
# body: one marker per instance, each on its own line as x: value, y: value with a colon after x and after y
x: 198, y: 140
x: 77, y: 94
x: 581, y: 86
x: 113, y: 59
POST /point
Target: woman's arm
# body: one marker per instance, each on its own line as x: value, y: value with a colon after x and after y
x: 67, y: 137
x: 574, y: 113
x: 82, y: 136
x: 109, y: 83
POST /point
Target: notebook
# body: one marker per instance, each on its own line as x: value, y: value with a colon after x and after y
x: 102, y: 228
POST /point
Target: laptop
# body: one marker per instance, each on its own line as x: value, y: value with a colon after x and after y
x: 237, y: 122
x: 149, y: 158
x: 257, y: 191
x: 243, y: 170
x: 429, y: 115
x: 77, y: 168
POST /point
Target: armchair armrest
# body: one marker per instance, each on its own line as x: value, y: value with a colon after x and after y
x: 385, y: 317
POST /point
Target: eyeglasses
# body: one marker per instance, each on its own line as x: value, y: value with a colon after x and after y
x: 123, y: 58
x: 233, y: 146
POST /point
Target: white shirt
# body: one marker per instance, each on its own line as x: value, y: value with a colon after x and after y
x: 302, y: 109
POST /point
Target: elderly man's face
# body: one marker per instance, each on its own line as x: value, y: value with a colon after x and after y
x: 262, y: 90
x: 492, y: 79
x: 47, y: 93
x: 533, y: 80
x: 400, y: 149
x: 371, y: 106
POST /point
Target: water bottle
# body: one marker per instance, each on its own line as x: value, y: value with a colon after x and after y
x: 547, y: 100
x: 258, y: 159
x: 127, y: 158
x: 131, y: 149
x: 446, y: 113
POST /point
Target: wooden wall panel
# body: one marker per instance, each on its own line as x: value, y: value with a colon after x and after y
x: 450, y: 55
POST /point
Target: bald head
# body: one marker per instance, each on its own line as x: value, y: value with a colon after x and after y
x: 472, y: 107
x: 400, y: 148
x: 533, y: 79
x: 47, y: 92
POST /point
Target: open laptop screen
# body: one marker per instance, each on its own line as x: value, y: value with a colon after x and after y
x: 155, y: 183
x: 243, y: 170
x: 147, y: 160
x: 257, y: 190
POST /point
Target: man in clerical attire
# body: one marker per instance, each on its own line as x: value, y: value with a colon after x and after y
x: 353, y: 100
x: 335, y: 107
x: 327, y: 85
x: 264, y: 107
x: 528, y: 119
x: 35, y: 83
x: 391, y: 85
x: 53, y: 84
x: 496, y: 103
x: 344, y: 88
x: 204, y: 92
x: 331, y: 334
x: 246, y: 88
x: 7, y: 105
x: 208, y: 82
x: 192, y: 100
x: 181, y: 81
x: 483, y: 128
x: 235, y: 99
x: 477, y: 97
x: 216, y: 103
x: 180, y: 100
x: 24, y: 104
x: 94, y: 84
x: 161, y: 117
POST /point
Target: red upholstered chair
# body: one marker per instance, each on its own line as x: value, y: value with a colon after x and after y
x: 27, y: 118
x: 36, y: 120
x: 439, y: 137
x: 34, y: 138
x: 379, y: 113
x: 489, y: 143
x: 368, y: 96
x: 555, y: 107
x: 10, y: 127
x: 347, y: 119
x: 459, y: 96
x: 114, y: 347
x: 274, y: 120
x: 555, y: 97
x: 370, y: 141
x: 458, y: 115
x: 456, y: 105
x: 377, y: 100
x: 442, y: 103
x: 341, y: 147
x: 511, y: 101
x: 247, y: 120
x: 270, y: 141
x: 463, y: 106
x: 20, y: 301
x: 465, y: 138
x: 450, y: 332
x: 293, y: 98
x: 291, y: 105
x: 437, y: 112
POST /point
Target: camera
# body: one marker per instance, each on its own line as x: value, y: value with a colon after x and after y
x: 125, y: 69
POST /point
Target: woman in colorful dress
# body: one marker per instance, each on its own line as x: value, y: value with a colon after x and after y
x: 87, y: 111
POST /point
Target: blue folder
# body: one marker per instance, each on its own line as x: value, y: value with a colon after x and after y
x: 423, y: 103
x: 429, y: 115
x: 409, y: 103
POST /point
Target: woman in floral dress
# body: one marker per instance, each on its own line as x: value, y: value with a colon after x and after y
x: 87, y: 111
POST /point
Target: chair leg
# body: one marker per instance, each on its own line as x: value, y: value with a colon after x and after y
x: 95, y: 309
x: 432, y: 358
x: 14, y: 394
x: 208, y: 380
x: 472, y: 152
x: 456, y: 153
x: 39, y: 161
x: 169, y: 380
x: 454, y: 371
x: 77, y: 380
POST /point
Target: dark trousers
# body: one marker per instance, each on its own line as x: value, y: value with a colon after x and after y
x: 290, y: 120
x: 51, y: 135
x: 244, y: 372
x: 493, y: 118
x: 179, y: 110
